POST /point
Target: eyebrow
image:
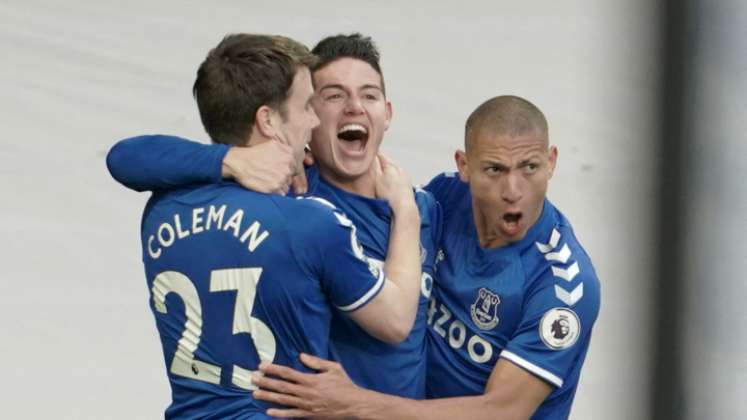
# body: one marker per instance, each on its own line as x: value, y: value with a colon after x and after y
x: 341, y: 87
x: 533, y: 156
x: 494, y: 163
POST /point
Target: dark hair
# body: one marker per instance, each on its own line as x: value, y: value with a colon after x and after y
x: 505, y: 115
x: 242, y: 73
x: 354, y: 45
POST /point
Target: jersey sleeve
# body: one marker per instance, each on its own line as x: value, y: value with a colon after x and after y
x: 555, y: 330
x: 329, y: 249
x: 158, y: 162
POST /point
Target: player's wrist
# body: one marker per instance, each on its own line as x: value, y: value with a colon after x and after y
x: 229, y: 164
x: 405, y: 209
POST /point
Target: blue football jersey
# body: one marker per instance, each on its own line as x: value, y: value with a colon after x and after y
x: 237, y: 278
x: 397, y: 369
x: 160, y: 162
x: 532, y: 302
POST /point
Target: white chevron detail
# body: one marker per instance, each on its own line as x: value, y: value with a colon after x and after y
x: 561, y: 256
x: 554, y: 239
x: 569, y: 298
x: 566, y: 274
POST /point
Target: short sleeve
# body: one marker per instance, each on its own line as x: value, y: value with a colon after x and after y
x: 555, y: 330
x: 328, y: 247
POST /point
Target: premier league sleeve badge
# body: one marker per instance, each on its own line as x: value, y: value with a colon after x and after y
x: 559, y: 328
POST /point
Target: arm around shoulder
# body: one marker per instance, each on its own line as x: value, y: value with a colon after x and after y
x: 154, y: 162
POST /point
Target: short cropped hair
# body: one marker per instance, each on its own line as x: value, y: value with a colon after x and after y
x: 354, y: 45
x: 505, y: 115
x: 242, y: 73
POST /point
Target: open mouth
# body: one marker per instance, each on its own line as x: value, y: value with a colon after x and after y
x: 511, y: 222
x: 353, y: 137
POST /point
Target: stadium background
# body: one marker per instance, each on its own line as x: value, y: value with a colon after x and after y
x: 644, y: 101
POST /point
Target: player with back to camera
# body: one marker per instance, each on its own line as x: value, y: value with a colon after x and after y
x: 350, y: 100
x: 238, y: 277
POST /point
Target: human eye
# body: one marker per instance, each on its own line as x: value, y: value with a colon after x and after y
x: 531, y: 167
x: 493, y: 169
x: 371, y: 95
x: 333, y: 95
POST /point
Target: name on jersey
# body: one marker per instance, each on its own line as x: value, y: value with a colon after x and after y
x: 205, y: 219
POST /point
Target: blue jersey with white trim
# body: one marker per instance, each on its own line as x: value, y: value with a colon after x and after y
x: 155, y: 162
x: 238, y: 277
x: 532, y: 302
x: 397, y: 369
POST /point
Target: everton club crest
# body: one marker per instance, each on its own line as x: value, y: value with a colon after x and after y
x: 485, y: 309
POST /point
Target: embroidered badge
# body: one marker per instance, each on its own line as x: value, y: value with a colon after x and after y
x: 485, y: 309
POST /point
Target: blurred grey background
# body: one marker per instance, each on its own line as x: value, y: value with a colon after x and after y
x: 645, y: 102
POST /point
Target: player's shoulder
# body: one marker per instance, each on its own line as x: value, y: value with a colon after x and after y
x: 444, y: 184
x: 450, y: 192
x: 311, y: 213
x: 557, y: 260
x: 426, y: 201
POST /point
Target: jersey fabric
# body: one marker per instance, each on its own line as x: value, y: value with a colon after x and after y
x: 397, y: 369
x: 238, y: 277
x: 532, y: 302
x: 156, y: 162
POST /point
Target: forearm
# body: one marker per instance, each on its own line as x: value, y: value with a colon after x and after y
x: 402, y: 265
x: 159, y: 162
x: 375, y: 406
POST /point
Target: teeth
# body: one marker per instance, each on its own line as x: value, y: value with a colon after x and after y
x: 352, y: 127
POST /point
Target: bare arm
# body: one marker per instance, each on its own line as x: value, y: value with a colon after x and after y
x: 391, y: 314
x: 511, y: 393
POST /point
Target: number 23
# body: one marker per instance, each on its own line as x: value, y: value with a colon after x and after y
x: 244, y: 281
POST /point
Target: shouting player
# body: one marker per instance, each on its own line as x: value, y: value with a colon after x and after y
x: 485, y: 333
x: 350, y: 100
x: 238, y: 277
x: 514, y: 301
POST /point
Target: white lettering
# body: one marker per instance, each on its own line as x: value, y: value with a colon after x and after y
x: 441, y: 321
x: 252, y: 232
x: 426, y: 285
x: 431, y: 310
x: 215, y: 216
x: 166, y: 234
x: 165, y: 227
x: 487, y: 349
x: 458, y: 326
x: 180, y: 233
x: 479, y: 349
x: 153, y: 254
x: 197, y: 219
x: 234, y: 222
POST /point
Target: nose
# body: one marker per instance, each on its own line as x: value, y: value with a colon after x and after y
x: 353, y: 105
x: 512, y: 188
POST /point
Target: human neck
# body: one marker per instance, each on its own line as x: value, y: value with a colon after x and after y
x: 255, y: 139
x: 485, y: 232
x: 364, y: 184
